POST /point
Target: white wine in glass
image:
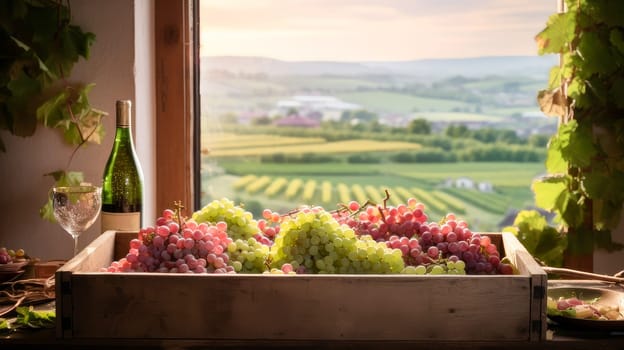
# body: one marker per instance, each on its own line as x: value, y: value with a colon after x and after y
x: 76, y: 208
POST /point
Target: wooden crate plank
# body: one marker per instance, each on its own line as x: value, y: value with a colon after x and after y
x: 96, y: 255
x: 525, y: 263
x: 301, y: 307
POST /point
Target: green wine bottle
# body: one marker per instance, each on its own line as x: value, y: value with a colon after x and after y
x: 122, y: 187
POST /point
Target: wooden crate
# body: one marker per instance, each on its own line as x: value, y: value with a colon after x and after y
x: 242, y: 307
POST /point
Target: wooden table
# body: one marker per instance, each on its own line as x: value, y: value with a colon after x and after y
x: 558, y: 338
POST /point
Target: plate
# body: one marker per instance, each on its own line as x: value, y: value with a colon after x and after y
x: 606, y: 296
x: 14, y: 266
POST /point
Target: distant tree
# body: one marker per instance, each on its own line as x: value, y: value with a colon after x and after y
x: 419, y: 126
x: 264, y: 120
x: 359, y: 127
x: 457, y: 131
x: 509, y: 136
x: 487, y: 135
x: 538, y: 140
x: 375, y: 126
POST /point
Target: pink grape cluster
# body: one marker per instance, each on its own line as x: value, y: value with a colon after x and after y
x: 268, y: 226
x: 5, y: 257
x: 8, y: 256
x: 405, y: 227
x: 171, y: 248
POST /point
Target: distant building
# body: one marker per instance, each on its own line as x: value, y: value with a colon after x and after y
x: 394, y: 120
x: 467, y: 183
x: 464, y: 182
x: 485, y: 186
x: 296, y: 120
x: 330, y: 107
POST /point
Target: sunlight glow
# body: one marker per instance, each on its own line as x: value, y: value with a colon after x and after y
x: 372, y: 30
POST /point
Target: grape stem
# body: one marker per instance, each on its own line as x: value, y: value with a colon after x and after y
x: 381, y: 210
x: 178, y: 213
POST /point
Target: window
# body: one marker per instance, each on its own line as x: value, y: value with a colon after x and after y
x: 310, y: 80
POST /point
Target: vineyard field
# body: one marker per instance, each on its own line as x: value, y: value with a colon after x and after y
x: 300, y: 191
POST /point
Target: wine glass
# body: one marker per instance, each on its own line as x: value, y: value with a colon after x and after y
x: 76, y: 208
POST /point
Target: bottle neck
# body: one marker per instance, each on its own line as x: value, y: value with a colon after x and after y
x: 123, y: 133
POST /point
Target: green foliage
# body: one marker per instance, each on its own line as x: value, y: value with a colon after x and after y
x: 558, y: 33
x: 39, y: 48
x: 541, y: 240
x: 585, y: 159
x: 419, y: 126
x: 28, y: 317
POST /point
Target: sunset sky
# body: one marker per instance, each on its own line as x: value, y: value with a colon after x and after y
x: 371, y: 30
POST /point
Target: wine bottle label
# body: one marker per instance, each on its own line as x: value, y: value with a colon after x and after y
x: 121, y: 221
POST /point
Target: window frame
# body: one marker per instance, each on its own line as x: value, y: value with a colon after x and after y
x: 177, y: 80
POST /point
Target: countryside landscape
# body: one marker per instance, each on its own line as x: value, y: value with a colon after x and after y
x: 460, y: 135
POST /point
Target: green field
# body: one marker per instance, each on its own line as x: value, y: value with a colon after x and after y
x: 223, y: 141
x: 498, y: 173
x: 456, y: 117
x: 338, y: 147
x: 399, y: 103
x: 483, y: 210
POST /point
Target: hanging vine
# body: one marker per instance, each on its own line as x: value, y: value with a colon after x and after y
x: 585, y: 159
x: 39, y: 49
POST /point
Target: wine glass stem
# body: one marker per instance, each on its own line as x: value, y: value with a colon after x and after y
x: 75, y: 245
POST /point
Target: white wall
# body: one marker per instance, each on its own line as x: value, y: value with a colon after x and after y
x: 111, y: 67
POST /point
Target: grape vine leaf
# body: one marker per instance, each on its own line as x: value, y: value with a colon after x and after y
x: 576, y: 143
x: 554, y: 78
x: 576, y: 90
x: 582, y: 148
x: 551, y: 191
x: 553, y: 194
x: 568, y: 68
x: 570, y: 208
x: 552, y: 102
x: 52, y: 112
x: 83, y: 124
x: 558, y: 32
x: 74, y: 43
x: 596, y: 54
x: 33, y: 56
x: 555, y: 164
x: 541, y: 240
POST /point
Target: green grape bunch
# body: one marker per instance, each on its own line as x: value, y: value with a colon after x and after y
x: 312, y: 241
